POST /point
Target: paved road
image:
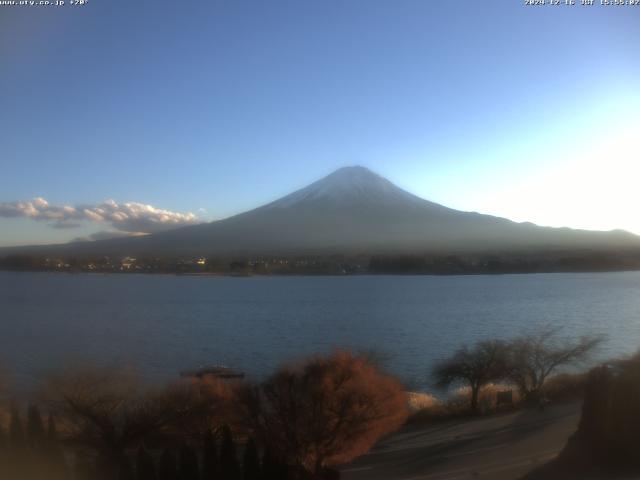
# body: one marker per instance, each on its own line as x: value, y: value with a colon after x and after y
x: 502, y: 447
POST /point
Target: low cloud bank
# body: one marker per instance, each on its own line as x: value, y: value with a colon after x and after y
x: 129, y: 218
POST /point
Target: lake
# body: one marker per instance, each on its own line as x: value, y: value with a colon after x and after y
x: 163, y: 324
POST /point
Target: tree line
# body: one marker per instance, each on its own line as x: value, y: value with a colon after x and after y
x: 525, y: 362
x: 35, y: 451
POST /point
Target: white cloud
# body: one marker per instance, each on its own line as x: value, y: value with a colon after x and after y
x: 106, y: 235
x: 130, y: 217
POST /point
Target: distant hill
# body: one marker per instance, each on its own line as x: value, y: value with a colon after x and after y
x: 351, y: 211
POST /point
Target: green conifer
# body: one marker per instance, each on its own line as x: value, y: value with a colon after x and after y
x: 16, y: 432
x: 251, y: 462
x: 168, y: 469
x: 229, y: 468
x: 210, y: 461
x: 36, y: 436
x: 145, y: 467
x: 188, y: 465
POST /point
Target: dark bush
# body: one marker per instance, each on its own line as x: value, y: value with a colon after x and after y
x: 609, y: 431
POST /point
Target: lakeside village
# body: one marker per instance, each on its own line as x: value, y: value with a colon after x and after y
x: 333, y: 264
x: 195, y: 265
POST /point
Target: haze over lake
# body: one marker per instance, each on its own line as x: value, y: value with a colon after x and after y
x: 164, y: 324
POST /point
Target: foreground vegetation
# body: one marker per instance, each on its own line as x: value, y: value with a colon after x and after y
x: 296, y: 424
x: 605, y: 444
x: 299, y: 423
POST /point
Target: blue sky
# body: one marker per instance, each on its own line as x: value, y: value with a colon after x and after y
x: 216, y: 107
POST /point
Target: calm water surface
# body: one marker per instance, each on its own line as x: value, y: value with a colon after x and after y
x: 163, y: 324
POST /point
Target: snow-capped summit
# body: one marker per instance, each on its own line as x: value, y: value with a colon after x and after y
x: 346, y: 186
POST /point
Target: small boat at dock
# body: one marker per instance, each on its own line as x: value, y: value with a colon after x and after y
x: 216, y: 371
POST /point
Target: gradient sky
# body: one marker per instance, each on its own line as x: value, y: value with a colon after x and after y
x: 532, y: 113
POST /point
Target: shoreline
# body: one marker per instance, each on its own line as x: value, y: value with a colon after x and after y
x: 340, y: 275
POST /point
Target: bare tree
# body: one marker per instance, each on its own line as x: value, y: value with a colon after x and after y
x: 109, y: 411
x: 207, y: 403
x: 326, y: 410
x: 484, y: 362
x: 536, y: 356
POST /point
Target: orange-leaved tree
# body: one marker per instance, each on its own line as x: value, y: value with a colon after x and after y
x: 325, y: 410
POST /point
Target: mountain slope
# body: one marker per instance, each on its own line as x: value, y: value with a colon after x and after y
x: 353, y: 210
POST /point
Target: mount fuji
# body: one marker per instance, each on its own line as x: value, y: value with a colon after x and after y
x: 353, y: 211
